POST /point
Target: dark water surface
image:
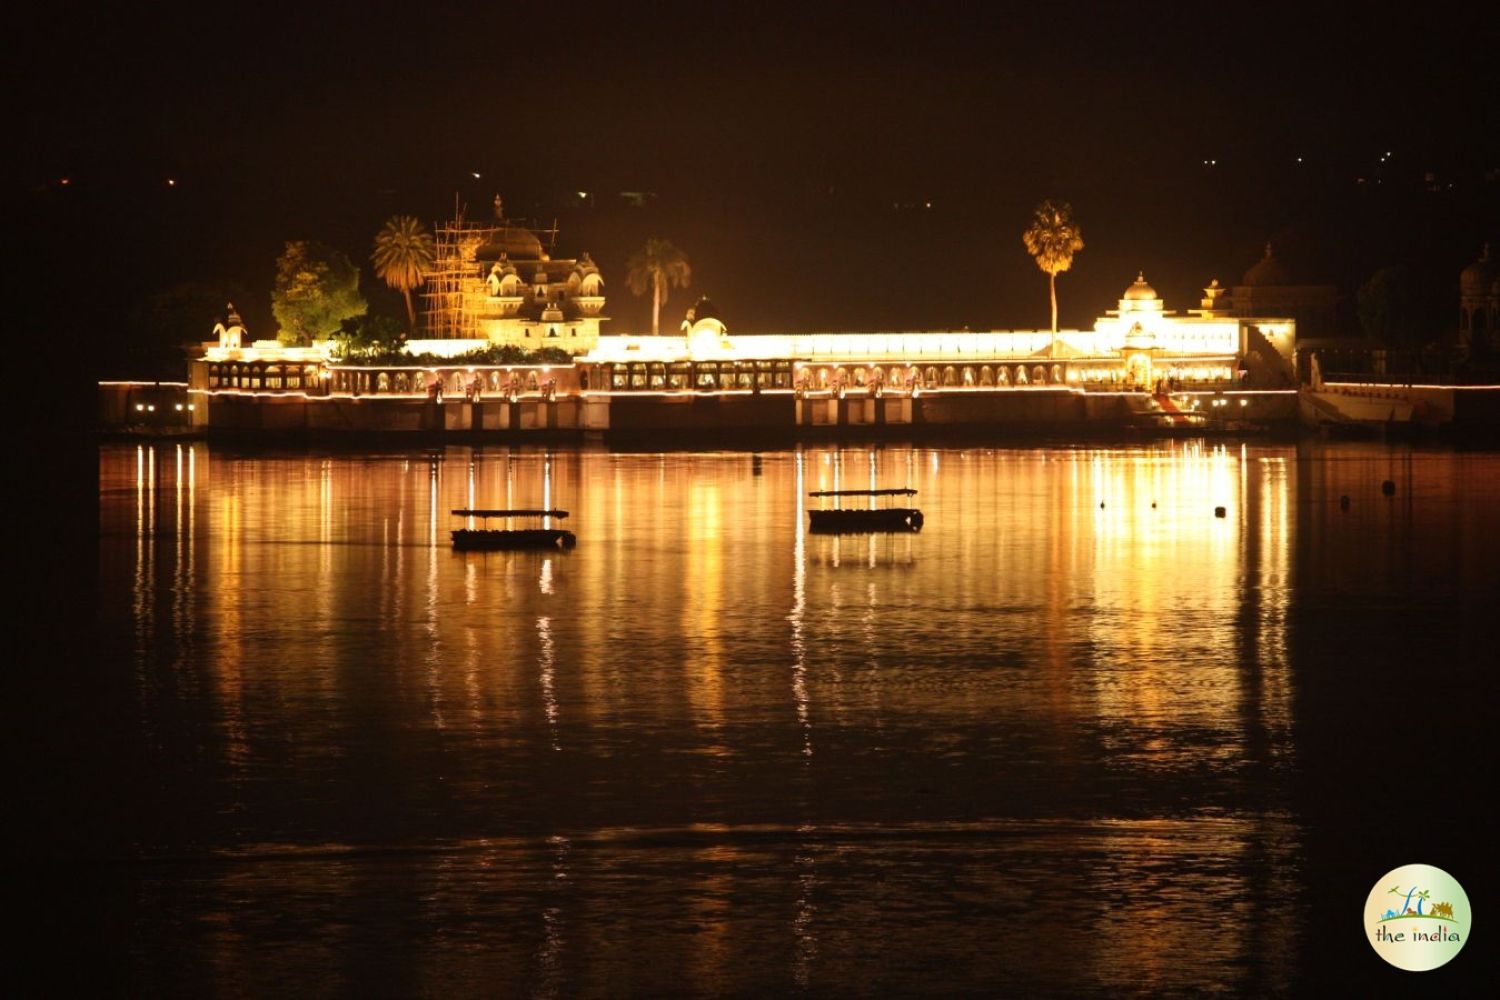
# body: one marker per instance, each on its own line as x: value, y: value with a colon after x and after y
x: 1078, y: 736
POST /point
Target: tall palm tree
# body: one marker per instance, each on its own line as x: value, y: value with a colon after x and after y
x: 404, y: 254
x: 1053, y: 238
x: 658, y: 265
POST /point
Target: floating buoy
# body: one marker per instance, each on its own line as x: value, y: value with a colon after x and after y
x: 1101, y: 504
x: 1388, y: 488
x: 1218, y: 512
x: 1153, y: 504
x: 1344, y: 502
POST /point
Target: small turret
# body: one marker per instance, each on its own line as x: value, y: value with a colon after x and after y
x: 232, y: 333
x: 1213, y: 298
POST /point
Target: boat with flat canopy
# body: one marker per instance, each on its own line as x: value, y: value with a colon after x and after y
x: 839, y: 520
x: 485, y: 539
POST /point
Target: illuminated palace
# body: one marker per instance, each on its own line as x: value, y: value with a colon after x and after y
x: 1138, y: 346
x: 497, y: 283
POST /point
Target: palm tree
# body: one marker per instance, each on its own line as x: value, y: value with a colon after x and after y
x: 404, y: 254
x: 1053, y: 238
x: 658, y: 265
x: 1406, y: 903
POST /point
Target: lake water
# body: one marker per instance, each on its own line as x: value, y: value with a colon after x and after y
x: 1080, y: 735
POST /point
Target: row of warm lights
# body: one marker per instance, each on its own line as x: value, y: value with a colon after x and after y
x: 1213, y: 162
x: 1103, y: 374
x: 171, y: 182
x: 544, y: 369
x: 1197, y: 404
x: 151, y: 407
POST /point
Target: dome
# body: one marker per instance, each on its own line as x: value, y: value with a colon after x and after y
x: 1268, y: 271
x: 703, y: 309
x: 1479, y: 278
x: 512, y: 241
x: 1140, y: 291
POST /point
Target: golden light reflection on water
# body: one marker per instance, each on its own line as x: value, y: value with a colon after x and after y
x: 798, y: 614
x: 1074, y: 635
x: 550, y: 955
x: 804, y: 922
x: 548, y: 681
x: 702, y: 614
x: 1081, y: 558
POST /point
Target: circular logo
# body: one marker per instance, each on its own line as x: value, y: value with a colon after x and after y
x: 1417, y: 917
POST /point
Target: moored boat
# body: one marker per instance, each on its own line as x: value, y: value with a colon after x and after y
x: 495, y: 539
x: 838, y: 520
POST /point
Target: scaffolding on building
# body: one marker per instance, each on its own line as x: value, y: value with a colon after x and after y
x: 456, y: 276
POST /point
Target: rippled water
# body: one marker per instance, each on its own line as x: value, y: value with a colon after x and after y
x: 1080, y: 734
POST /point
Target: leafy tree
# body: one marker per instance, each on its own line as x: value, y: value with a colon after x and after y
x: 317, y: 288
x: 1387, y: 307
x: 505, y: 354
x: 1053, y: 238
x: 370, y: 336
x: 1406, y: 903
x: 658, y: 265
x: 551, y: 356
x: 403, y: 257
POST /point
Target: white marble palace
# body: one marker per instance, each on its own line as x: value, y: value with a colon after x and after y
x: 496, y: 283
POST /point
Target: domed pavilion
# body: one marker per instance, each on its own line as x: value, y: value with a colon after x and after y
x: 1479, y: 304
x: 497, y: 281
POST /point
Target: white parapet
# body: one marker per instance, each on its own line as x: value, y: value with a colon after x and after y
x: 445, y: 348
x: 270, y: 350
x: 831, y: 346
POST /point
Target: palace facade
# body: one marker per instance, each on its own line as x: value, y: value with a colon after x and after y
x: 1137, y: 346
x: 496, y: 281
x: 1231, y: 363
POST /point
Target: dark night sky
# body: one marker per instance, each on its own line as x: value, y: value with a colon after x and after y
x: 778, y: 144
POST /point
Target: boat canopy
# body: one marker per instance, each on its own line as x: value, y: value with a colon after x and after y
x: 464, y: 512
x: 905, y: 491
